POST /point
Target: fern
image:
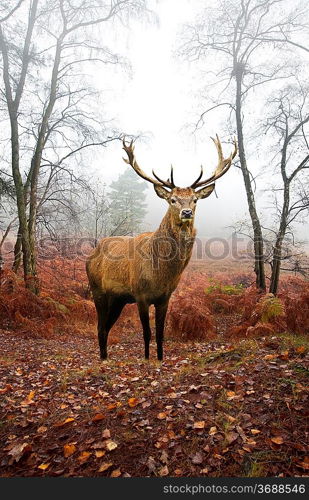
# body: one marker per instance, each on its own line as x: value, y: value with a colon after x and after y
x: 271, y: 307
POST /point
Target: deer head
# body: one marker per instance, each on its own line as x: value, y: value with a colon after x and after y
x: 183, y: 200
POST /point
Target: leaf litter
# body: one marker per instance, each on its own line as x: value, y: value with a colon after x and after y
x: 64, y: 413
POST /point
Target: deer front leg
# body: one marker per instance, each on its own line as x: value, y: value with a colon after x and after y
x: 143, y: 309
x: 101, y: 304
x: 161, y: 310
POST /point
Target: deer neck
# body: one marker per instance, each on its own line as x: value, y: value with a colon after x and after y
x: 174, y: 238
x: 175, y: 228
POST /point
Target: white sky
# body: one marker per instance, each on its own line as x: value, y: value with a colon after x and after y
x: 159, y: 99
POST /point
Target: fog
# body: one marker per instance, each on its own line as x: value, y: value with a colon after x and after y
x: 158, y: 96
x: 160, y: 99
x: 157, y: 100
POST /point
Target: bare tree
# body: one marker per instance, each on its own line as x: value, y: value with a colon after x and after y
x: 289, y: 122
x: 237, y: 31
x: 6, y: 9
x: 67, y: 35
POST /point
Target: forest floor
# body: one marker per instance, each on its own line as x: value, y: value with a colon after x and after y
x: 220, y: 408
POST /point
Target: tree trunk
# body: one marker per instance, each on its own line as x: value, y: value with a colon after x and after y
x: 35, y: 167
x: 259, y: 267
x: 36, y: 164
x: 276, y: 264
x: 17, y: 252
x: 21, y: 207
x: 13, y: 109
x: 277, y: 255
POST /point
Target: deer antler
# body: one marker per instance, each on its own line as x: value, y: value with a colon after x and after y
x: 222, y: 167
x: 129, y: 149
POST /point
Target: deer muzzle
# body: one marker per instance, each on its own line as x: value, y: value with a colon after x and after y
x: 186, y: 214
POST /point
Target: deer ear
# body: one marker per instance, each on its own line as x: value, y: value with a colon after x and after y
x: 205, y: 192
x: 161, y: 192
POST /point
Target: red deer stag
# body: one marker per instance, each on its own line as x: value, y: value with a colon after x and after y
x: 146, y: 268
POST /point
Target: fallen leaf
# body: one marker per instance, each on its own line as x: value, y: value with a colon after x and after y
x: 41, y: 429
x: 247, y: 448
x: 142, y: 423
x: 194, y: 388
x: 231, y: 437
x: 105, y: 466
x: 304, y: 464
x: 277, y: 440
x: 99, y: 444
x: 28, y: 399
x: 241, y: 433
x: 162, y: 415
x: 19, y: 450
x: 164, y: 471
x: 230, y: 394
x: 199, y: 425
x: 100, y: 453
x: 172, y: 395
x: 7, y: 388
x: 110, y: 445
x: 66, y: 421
x: 178, y: 472
x: 83, y: 457
x: 213, y: 430
x: 164, y: 457
x: 106, y: 433
x: 69, y: 449
x: 43, y: 466
x: 230, y: 418
x: 30, y: 395
x: 151, y: 463
x: 197, y: 458
x: 98, y: 417
x: 301, y: 349
x: 116, y: 473
x: 251, y: 442
x: 133, y: 402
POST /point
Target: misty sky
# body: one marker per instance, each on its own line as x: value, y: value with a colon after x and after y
x: 160, y: 99
x: 157, y: 100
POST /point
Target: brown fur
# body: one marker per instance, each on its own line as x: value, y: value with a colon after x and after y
x: 146, y: 269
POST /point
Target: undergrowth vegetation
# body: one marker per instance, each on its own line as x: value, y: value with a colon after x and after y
x: 205, y: 305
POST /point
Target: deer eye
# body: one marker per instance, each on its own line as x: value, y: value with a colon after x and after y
x: 173, y: 200
x: 194, y: 200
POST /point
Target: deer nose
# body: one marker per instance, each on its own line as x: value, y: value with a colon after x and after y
x: 186, y: 213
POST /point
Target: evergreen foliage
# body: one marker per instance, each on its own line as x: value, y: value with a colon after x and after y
x: 128, y: 207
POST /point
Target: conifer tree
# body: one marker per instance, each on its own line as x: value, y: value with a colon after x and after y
x: 128, y: 207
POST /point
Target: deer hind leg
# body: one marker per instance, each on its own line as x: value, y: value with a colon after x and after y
x: 143, y: 309
x: 161, y: 310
